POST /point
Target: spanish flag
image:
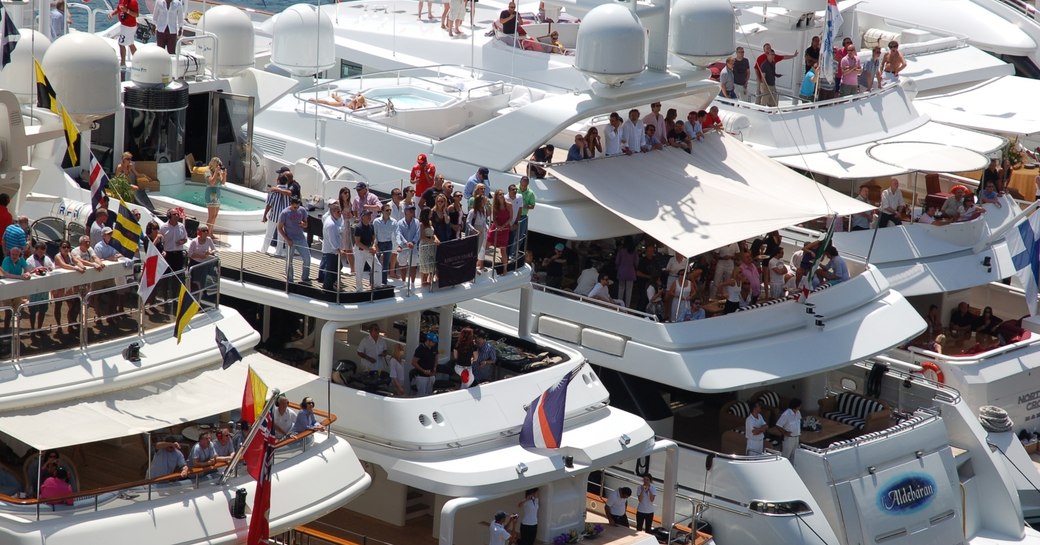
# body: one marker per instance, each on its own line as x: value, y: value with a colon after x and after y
x: 254, y: 397
x: 47, y: 98
x: 187, y: 307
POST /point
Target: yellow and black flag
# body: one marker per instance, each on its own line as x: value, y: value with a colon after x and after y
x: 47, y: 98
x: 126, y: 237
x: 187, y: 307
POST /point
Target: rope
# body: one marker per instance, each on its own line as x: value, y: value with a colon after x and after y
x: 994, y: 419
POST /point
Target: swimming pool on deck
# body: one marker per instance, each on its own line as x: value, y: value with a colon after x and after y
x: 410, y: 98
x: 241, y: 209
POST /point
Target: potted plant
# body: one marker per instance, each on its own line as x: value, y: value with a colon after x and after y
x: 592, y: 530
x: 119, y: 187
x: 1012, y: 153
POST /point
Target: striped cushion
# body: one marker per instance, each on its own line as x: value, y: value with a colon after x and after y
x: 856, y: 405
x: 848, y: 419
x: 740, y: 409
x: 769, y: 399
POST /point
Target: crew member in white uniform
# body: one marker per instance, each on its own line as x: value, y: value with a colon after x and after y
x: 791, y: 424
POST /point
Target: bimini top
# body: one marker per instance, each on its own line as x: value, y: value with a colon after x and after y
x: 156, y: 405
x: 722, y: 193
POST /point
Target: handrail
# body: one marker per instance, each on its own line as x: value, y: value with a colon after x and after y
x: 328, y: 419
x: 972, y: 358
x: 586, y: 299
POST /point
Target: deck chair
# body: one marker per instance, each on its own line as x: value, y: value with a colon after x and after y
x: 936, y: 196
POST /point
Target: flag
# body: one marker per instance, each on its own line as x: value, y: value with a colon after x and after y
x: 46, y: 97
x: 152, y: 269
x: 187, y: 307
x: 126, y: 237
x: 834, y: 21
x: 98, y: 182
x: 253, y: 397
x: 466, y: 376
x: 259, y: 524
x: 543, y: 425
x: 227, y: 350
x: 1025, y: 255
x: 8, y: 40
x: 806, y: 283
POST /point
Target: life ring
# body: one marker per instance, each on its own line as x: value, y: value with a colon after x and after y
x: 932, y: 372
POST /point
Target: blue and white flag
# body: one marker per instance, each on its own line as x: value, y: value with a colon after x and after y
x: 543, y: 425
x: 8, y: 39
x: 834, y: 21
x: 1024, y: 245
x: 228, y: 352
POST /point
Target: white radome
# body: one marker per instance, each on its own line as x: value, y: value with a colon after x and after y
x: 611, y: 44
x: 303, y: 40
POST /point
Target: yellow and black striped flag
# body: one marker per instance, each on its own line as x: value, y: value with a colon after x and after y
x: 47, y: 98
x: 187, y: 307
x: 126, y: 237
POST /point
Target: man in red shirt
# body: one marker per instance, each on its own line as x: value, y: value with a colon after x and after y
x: 423, y: 174
x: 5, y: 215
x: 712, y: 120
x: 127, y: 12
x: 766, y: 48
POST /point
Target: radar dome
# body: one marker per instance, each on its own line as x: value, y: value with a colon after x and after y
x: 152, y: 67
x: 18, y: 76
x: 303, y: 40
x: 611, y: 45
x: 84, y: 72
x: 234, y: 32
x: 702, y: 30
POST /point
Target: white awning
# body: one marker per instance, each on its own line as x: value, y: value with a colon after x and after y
x: 722, y: 193
x: 122, y: 413
x: 856, y: 162
x: 989, y: 105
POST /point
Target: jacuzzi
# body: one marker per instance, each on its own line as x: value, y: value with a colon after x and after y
x: 241, y: 208
x: 407, y: 97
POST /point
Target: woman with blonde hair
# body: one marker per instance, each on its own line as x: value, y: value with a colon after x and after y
x: 216, y: 178
x: 428, y: 242
x: 477, y: 221
x: 346, y: 207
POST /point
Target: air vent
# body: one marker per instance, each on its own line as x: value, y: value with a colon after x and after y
x: 424, y: 421
x: 438, y: 417
x: 270, y: 146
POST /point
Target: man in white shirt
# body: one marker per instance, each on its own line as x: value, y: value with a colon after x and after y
x: 777, y: 274
x: 372, y: 349
x: 601, y: 291
x: 632, y: 133
x: 587, y: 280
x: 656, y: 119
x: 790, y: 422
x: 755, y: 430
x: 502, y: 531
x: 727, y: 259
x: 891, y: 203
x: 284, y: 417
x: 646, y: 493
x: 612, y: 135
x: 167, y: 18
x: 331, y: 237
x: 617, y: 506
x: 516, y: 202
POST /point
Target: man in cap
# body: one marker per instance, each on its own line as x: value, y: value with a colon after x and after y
x: 291, y: 225
x: 423, y: 174
x: 290, y: 181
x: 954, y: 207
x: 408, y: 244
x: 366, y: 252
x: 481, y: 177
x: 366, y: 200
x: 503, y: 528
x: 424, y: 361
x: 331, y: 237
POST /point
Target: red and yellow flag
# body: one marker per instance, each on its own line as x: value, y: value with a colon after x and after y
x: 254, y: 397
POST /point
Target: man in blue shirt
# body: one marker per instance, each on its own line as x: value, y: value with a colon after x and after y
x: 408, y: 244
x: 291, y: 224
x: 481, y: 177
x: 386, y: 234
x: 484, y: 364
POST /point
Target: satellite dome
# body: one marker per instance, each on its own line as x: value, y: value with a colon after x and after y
x: 702, y: 31
x: 611, y: 45
x: 152, y: 67
x: 234, y: 31
x: 304, y: 41
x: 84, y: 72
x: 18, y: 76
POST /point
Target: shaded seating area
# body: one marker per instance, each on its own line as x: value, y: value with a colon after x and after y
x: 863, y: 414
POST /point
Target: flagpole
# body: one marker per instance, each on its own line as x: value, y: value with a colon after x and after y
x: 230, y: 469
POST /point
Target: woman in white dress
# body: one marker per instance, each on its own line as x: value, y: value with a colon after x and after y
x: 681, y: 292
x: 477, y: 221
x: 455, y: 11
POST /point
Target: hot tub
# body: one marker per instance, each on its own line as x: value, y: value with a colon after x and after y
x: 407, y: 97
x: 241, y: 209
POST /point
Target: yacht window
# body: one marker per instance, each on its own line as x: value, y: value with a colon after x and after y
x: 848, y: 384
x: 349, y: 69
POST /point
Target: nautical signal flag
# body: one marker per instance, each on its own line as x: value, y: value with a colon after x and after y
x: 543, y: 425
x: 98, y: 182
x: 254, y: 397
x: 46, y: 97
x: 126, y: 237
x: 228, y: 352
x: 152, y: 269
x: 187, y: 307
x: 1024, y: 244
x: 8, y: 40
x: 260, y: 455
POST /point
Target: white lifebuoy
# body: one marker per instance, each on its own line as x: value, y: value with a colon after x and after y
x: 932, y: 372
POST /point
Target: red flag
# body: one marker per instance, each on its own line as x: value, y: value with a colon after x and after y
x: 260, y: 468
x: 152, y: 269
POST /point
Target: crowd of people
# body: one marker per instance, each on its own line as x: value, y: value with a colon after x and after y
x: 677, y: 288
x: 637, y: 134
x: 25, y: 258
x: 851, y: 75
x: 396, y: 240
